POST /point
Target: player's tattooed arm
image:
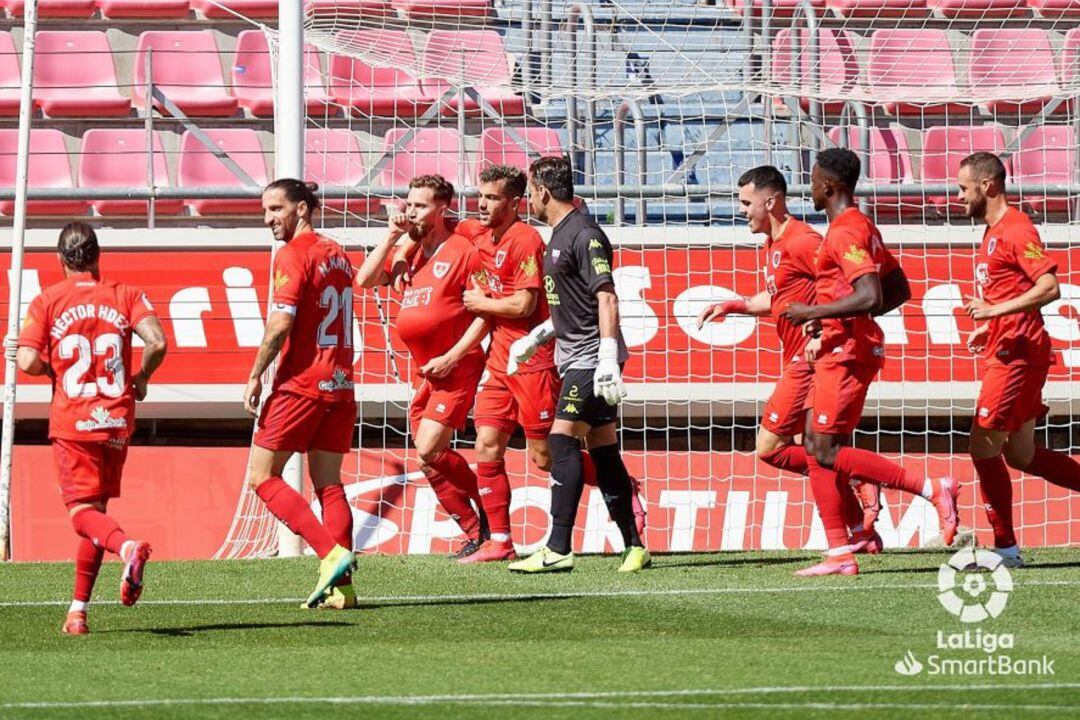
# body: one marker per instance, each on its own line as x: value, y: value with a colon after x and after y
x: 372, y: 273
x: 895, y: 291
x: 866, y: 298
x: 153, y: 336
x: 1045, y: 291
x: 278, y: 327
x: 442, y: 365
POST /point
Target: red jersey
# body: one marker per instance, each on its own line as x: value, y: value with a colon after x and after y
x: 82, y: 327
x: 432, y: 316
x: 1010, y: 260
x: 852, y: 248
x: 313, y: 280
x: 511, y: 264
x: 789, y: 277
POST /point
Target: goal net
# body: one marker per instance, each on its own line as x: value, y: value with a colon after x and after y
x: 661, y: 106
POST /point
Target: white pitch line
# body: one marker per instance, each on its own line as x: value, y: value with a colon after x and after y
x: 597, y: 699
x: 568, y: 595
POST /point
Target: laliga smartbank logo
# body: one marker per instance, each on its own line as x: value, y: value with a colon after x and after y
x: 974, y: 587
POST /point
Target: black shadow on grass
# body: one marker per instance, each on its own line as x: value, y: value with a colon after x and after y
x: 193, y: 629
x: 661, y: 563
x: 438, y: 602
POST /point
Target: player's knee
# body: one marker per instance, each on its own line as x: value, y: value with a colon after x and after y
x: 1018, y: 458
x: 825, y: 455
x: 256, y: 478
x: 767, y: 443
x: 488, y: 450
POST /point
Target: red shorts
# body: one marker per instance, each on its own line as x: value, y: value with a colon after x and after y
x: 839, y: 394
x: 89, y: 471
x: 447, y: 400
x: 526, y: 399
x: 785, y: 411
x: 296, y: 423
x: 1010, y: 396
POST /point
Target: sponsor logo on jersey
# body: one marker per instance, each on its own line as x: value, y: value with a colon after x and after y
x: 544, y: 415
x: 595, y: 244
x: 500, y: 258
x: 100, y: 419
x: 549, y: 290
x: 529, y: 266
x: 822, y: 418
x: 601, y: 266
x: 982, y: 273
x: 555, y: 253
x: 855, y: 254
x: 774, y: 416
x: 570, y: 408
x: 280, y: 280
x: 414, y: 297
x: 340, y: 381
x: 984, y: 412
x: 440, y: 268
x: 991, y: 246
x: 1033, y: 252
x: 441, y: 407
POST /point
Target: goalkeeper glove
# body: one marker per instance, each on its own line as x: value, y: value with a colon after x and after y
x: 522, y: 349
x: 607, y: 380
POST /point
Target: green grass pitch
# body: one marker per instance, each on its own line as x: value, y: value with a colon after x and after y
x: 723, y: 635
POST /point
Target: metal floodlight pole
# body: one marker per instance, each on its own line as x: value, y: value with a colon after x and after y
x: 22, y: 164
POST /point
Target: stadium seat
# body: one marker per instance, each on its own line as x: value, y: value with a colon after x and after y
x: 1055, y: 9
x: 443, y: 9
x: 498, y: 147
x: 1006, y: 65
x: 780, y: 8
x: 149, y: 9
x: 250, y: 8
x: 977, y: 9
x: 1070, y: 56
x: 944, y: 148
x: 334, y: 157
x: 187, y: 69
x: 479, y: 58
x: 385, y: 90
x: 10, y: 76
x: 199, y: 168
x: 838, y: 70
x: 54, y: 8
x: 355, y: 8
x: 889, y: 164
x: 74, y: 76
x: 877, y: 8
x: 429, y: 151
x: 1046, y: 157
x: 253, y: 83
x: 50, y: 167
x: 915, y: 68
x: 117, y: 158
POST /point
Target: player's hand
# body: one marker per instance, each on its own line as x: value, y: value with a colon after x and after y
x: 252, y: 395
x: 521, y: 352
x: 717, y: 311
x: 976, y: 339
x: 398, y: 223
x: 979, y: 309
x: 812, y: 349
x: 438, y: 367
x: 607, y: 380
x: 798, y: 312
x: 139, y: 382
x: 474, y: 297
x: 399, y: 276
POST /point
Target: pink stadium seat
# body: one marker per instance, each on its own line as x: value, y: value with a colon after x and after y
x: 1046, y: 157
x: 117, y: 158
x: 497, y: 147
x: 74, y: 76
x: 199, y: 168
x: 838, y: 69
x: 944, y: 148
x: 1055, y: 9
x: 250, y: 8
x: 144, y: 8
x: 10, y: 76
x: 780, y: 8
x: 444, y: 9
x: 877, y: 8
x: 1070, y: 56
x: 252, y: 81
x: 186, y: 66
x: 356, y: 8
x: 479, y: 58
x: 54, y: 8
x: 430, y: 151
x: 977, y: 9
x: 889, y: 164
x: 916, y: 68
x: 49, y: 167
x: 334, y: 157
x: 385, y: 89
x: 1010, y: 64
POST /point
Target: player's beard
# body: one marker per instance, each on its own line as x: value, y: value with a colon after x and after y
x: 976, y: 209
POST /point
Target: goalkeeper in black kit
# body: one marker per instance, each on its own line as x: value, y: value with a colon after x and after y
x: 589, y: 353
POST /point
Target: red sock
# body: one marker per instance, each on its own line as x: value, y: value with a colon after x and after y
x: 289, y: 507
x: 337, y: 519
x: 1055, y: 467
x: 853, y: 514
x: 495, y: 494
x: 995, y: 486
x: 588, y: 469
x: 87, y: 563
x: 451, y: 465
x: 827, y: 494
x: 100, y: 529
x: 871, y: 467
x: 790, y: 457
x: 455, y: 502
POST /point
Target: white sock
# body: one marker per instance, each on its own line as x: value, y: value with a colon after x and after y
x: 78, y: 606
x: 126, y: 549
x: 838, y: 551
x: 500, y: 537
x: 928, y: 489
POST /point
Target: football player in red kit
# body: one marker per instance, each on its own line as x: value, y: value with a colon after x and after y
x: 443, y: 338
x: 1014, y: 278
x: 311, y: 407
x: 79, y: 333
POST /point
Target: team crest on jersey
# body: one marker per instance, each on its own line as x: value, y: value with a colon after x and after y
x: 1033, y: 252
x: 439, y: 269
x: 529, y: 267
x: 555, y: 253
x: 776, y: 259
x: 340, y: 381
x: 280, y: 280
x: 991, y: 246
x: 100, y: 419
x: 855, y: 254
x: 500, y: 258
